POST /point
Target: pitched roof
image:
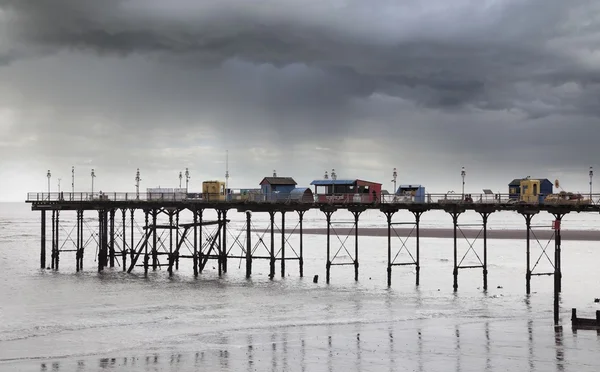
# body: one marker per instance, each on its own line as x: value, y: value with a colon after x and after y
x: 278, y: 181
x: 517, y: 181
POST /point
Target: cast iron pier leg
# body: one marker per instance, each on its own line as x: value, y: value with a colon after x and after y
x: 112, y: 238
x: 418, y: 261
x: 154, y: 241
x: 328, y: 264
x: 171, y: 258
x: 132, y: 245
x: 220, y: 243
x: 77, y: 246
x: 248, y: 245
x: 177, y: 243
x: 283, y: 244
x: 100, y: 240
x: 81, y: 247
x: 195, y: 242
x: 272, y: 252
x: 124, y: 248
x: 356, y: 216
x: 528, y: 218
x: 146, y: 255
x: 53, y: 240
x: 485, y: 216
x: 455, y: 271
x: 43, y: 242
x: 200, y: 254
x: 224, y: 248
x: 389, y: 216
x: 57, y: 252
x: 301, y: 260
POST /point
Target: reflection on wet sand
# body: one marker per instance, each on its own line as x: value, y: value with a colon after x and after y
x: 355, y: 347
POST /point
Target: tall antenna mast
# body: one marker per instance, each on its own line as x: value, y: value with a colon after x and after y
x: 226, y: 170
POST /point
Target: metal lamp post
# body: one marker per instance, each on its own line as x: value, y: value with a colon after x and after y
x: 187, y: 179
x: 180, y: 177
x: 59, y: 185
x: 72, y: 181
x: 93, y: 174
x: 333, y: 175
x: 395, y: 176
x: 49, y: 176
x: 591, y: 176
x: 326, y: 176
x: 137, y: 183
x: 463, y: 173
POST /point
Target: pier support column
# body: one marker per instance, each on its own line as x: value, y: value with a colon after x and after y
x: 283, y: 244
x: 224, y: 246
x: 389, y: 215
x: 57, y: 245
x: 356, y: 215
x: 558, y: 215
x: 195, y: 256
x: 53, y: 247
x: 171, y: 257
x: 220, y: 243
x: 112, y: 238
x: 77, y: 246
x: 81, y: 246
x: 272, y: 251
x: 124, y: 242
x: 132, y: 245
x: 43, y: 241
x: 154, y: 241
x: 146, y: 255
x: 200, y: 253
x: 455, y: 216
x: 417, y: 215
x: 484, y: 217
x: 328, y: 264
x: 301, y: 258
x: 248, y: 244
x: 100, y: 240
x: 528, y: 218
x: 177, y: 240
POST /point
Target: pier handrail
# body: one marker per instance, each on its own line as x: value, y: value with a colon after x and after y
x: 288, y: 198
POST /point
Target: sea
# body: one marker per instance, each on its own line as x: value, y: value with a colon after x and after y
x: 63, y: 320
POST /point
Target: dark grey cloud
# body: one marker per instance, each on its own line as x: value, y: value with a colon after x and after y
x: 359, y: 86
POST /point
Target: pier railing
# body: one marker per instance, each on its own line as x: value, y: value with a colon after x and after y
x: 289, y: 198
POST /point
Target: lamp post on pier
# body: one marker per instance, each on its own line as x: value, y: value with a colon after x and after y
x: 59, y: 185
x: 333, y: 175
x: 591, y: 176
x: 93, y: 174
x: 326, y: 176
x: 137, y: 183
x: 73, y: 181
x: 49, y: 176
x: 180, y: 177
x: 463, y: 173
x: 395, y: 176
x: 187, y: 179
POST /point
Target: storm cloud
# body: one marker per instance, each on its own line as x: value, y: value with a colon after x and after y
x: 506, y: 88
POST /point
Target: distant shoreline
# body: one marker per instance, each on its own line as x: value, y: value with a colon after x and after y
x: 541, y: 234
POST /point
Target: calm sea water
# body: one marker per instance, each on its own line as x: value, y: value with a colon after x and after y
x: 68, y: 321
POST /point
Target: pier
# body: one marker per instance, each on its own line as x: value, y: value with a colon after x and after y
x: 161, y: 244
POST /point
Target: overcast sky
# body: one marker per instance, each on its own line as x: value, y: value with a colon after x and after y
x: 506, y: 88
